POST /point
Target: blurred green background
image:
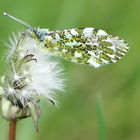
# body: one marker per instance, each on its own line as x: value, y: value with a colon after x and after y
x: 98, y: 104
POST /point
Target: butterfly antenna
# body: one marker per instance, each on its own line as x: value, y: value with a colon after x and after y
x: 19, y: 21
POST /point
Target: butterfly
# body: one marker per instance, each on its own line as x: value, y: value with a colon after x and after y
x: 88, y: 45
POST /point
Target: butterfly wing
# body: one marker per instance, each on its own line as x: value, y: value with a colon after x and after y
x: 86, y: 46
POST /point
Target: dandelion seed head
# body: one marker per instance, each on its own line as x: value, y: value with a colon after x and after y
x: 31, y: 73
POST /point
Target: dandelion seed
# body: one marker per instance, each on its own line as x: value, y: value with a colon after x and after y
x: 16, y: 77
x: 10, y: 90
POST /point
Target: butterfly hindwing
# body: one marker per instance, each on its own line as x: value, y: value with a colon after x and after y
x: 86, y: 46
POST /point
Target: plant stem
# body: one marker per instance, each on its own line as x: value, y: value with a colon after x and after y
x: 12, y: 130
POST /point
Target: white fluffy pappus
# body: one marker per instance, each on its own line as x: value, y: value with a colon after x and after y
x: 31, y: 74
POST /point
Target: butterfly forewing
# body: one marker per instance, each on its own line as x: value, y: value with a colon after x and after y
x: 86, y: 46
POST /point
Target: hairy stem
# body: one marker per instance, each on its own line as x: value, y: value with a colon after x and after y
x: 12, y: 130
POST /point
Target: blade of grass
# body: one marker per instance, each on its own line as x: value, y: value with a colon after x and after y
x: 100, y: 118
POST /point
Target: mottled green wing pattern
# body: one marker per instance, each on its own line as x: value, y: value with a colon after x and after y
x: 86, y: 46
